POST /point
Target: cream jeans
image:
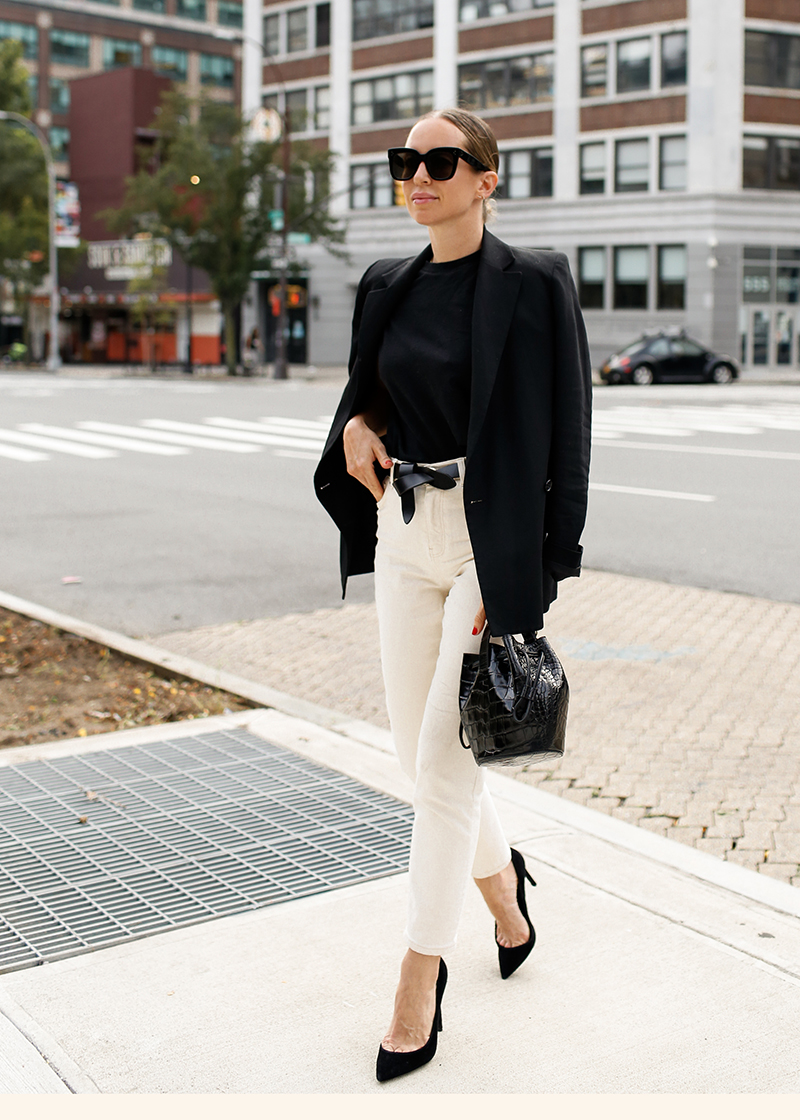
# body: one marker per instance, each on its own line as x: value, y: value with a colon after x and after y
x: 427, y: 595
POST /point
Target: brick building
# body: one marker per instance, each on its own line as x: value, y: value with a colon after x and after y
x: 656, y: 142
x: 97, y: 68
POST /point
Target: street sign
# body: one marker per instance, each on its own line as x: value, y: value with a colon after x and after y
x: 298, y: 238
x: 265, y: 125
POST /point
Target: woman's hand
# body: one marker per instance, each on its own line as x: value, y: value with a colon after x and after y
x: 480, y: 620
x: 362, y: 447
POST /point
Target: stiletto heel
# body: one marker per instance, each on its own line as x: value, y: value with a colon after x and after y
x: 512, y: 958
x: 394, y: 1063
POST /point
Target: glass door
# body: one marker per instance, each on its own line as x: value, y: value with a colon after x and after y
x: 784, y: 337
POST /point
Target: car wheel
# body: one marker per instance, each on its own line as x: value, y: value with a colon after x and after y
x: 643, y: 375
x: 722, y: 375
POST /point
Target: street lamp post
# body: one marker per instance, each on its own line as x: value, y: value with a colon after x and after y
x: 53, y: 356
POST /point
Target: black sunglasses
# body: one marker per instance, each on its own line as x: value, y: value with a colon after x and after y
x: 441, y: 163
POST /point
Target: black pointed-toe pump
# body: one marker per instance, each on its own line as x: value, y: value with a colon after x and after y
x: 511, y: 959
x: 394, y: 1063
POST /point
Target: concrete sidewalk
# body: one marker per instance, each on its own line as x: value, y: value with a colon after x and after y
x: 658, y: 969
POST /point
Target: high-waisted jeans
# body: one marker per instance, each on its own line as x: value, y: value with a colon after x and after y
x: 427, y: 595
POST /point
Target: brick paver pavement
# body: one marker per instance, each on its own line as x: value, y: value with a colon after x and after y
x: 685, y: 704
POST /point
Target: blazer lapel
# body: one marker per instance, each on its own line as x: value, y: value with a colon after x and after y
x: 496, y: 292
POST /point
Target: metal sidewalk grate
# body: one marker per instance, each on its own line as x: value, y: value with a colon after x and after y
x: 177, y: 832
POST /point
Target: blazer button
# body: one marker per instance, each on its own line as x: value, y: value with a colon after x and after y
x: 548, y: 485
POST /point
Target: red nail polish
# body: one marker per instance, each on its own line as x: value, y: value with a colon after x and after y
x: 474, y: 630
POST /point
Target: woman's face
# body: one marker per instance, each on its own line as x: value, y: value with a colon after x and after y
x: 431, y: 202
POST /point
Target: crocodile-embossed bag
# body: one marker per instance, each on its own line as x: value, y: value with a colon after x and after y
x: 513, y: 701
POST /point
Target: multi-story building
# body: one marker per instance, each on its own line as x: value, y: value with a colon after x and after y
x: 68, y: 41
x: 656, y: 142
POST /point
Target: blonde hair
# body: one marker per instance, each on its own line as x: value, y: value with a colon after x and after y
x: 479, y: 141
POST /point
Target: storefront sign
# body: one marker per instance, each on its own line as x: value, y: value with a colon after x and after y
x: 129, y: 260
x: 68, y: 216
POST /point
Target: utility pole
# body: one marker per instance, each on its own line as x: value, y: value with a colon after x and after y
x: 53, y: 355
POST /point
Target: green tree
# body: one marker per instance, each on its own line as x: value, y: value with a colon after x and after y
x: 23, y: 184
x: 208, y: 190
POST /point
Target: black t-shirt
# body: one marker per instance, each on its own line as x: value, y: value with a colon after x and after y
x: 425, y: 362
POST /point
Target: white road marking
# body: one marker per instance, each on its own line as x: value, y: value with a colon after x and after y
x: 50, y: 444
x: 119, y: 442
x: 22, y: 454
x: 311, y: 437
x: 644, y: 493
x: 286, y: 453
x: 220, y: 444
x: 290, y: 422
x: 745, y: 452
x: 233, y: 433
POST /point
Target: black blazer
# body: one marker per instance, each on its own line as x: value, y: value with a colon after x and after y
x: 528, y: 444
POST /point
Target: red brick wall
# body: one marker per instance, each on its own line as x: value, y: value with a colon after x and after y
x: 519, y: 33
x: 633, y: 14
x: 385, y: 54
x: 634, y: 114
x: 771, y: 109
x: 519, y: 125
x: 379, y: 139
x: 317, y: 66
x: 786, y: 10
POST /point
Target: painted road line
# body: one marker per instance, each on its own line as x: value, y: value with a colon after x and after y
x: 22, y: 454
x: 287, y: 453
x: 119, y: 442
x: 246, y: 437
x: 174, y: 438
x: 741, y: 452
x: 316, y: 435
x: 290, y: 422
x: 50, y: 444
x: 644, y: 493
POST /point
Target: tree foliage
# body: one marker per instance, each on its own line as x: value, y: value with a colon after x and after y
x: 208, y: 189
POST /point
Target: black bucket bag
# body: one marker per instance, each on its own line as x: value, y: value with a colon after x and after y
x: 513, y: 701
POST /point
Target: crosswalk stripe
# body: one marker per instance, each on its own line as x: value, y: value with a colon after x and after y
x: 743, y: 452
x: 50, y: 444
x: 173, y: 437
x: 287, y: 453
x: 645, y: 493
x: 119, y: 442
x: 290, y: 422
x: 22, y: 454
x: 314, y: 435
x: 247, y: 437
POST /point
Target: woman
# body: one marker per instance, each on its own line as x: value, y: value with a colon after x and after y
x: 470, y: 384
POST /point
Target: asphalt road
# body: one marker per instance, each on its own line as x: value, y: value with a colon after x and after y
x: 691, y: 484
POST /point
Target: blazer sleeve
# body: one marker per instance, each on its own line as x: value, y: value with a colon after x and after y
x: 570, y: 449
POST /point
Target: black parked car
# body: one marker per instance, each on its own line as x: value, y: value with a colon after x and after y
x: 665, y: 357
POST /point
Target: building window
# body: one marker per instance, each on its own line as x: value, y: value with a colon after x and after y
x: 671, y: 277
x: 297, y: 109
x: 631, y: 276
x: 121, y: 52
x: 594, y: 70
x: 526, y: 174
x: 25, y: 33
x: 672, y: 163
x: 33, y: 89
x: 322, y: 108
x: 229, y: 13
x: 59, y: 96
x: 69, y: 47
x: 787, y: 285
x: 771, y: 163
x: 191, y: 9
x: 470, y: 10
x: 632, y: 166
x: 272, y: 35
x: 673, y: 59
x: 395, y: 97
x: 771, y: 59
x: 593, y: 168
x: 506, y: 81
x: 157, y: 6
x: 216, y: 70
x: 170, y: 62
x: 59, y: 143
x: 371, y: 186
x: 633, y: 65
x: 297, y: 30
x: 592, y: 278
x: 323, y: 25
x: 757, y: 274
x: 374, y: 18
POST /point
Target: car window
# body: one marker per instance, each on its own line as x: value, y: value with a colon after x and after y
x: 685, y: 348
x: 631, y: 349
x: 659, y: 348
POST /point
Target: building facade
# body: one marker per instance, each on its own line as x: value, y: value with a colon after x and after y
x: 96, y: 70
x: 656, y: 142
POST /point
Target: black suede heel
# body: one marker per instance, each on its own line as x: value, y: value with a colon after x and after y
x: 393, y: 1063
x: 511, y: 959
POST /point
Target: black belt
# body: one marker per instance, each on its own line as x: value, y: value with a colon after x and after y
x: 407, y: 476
